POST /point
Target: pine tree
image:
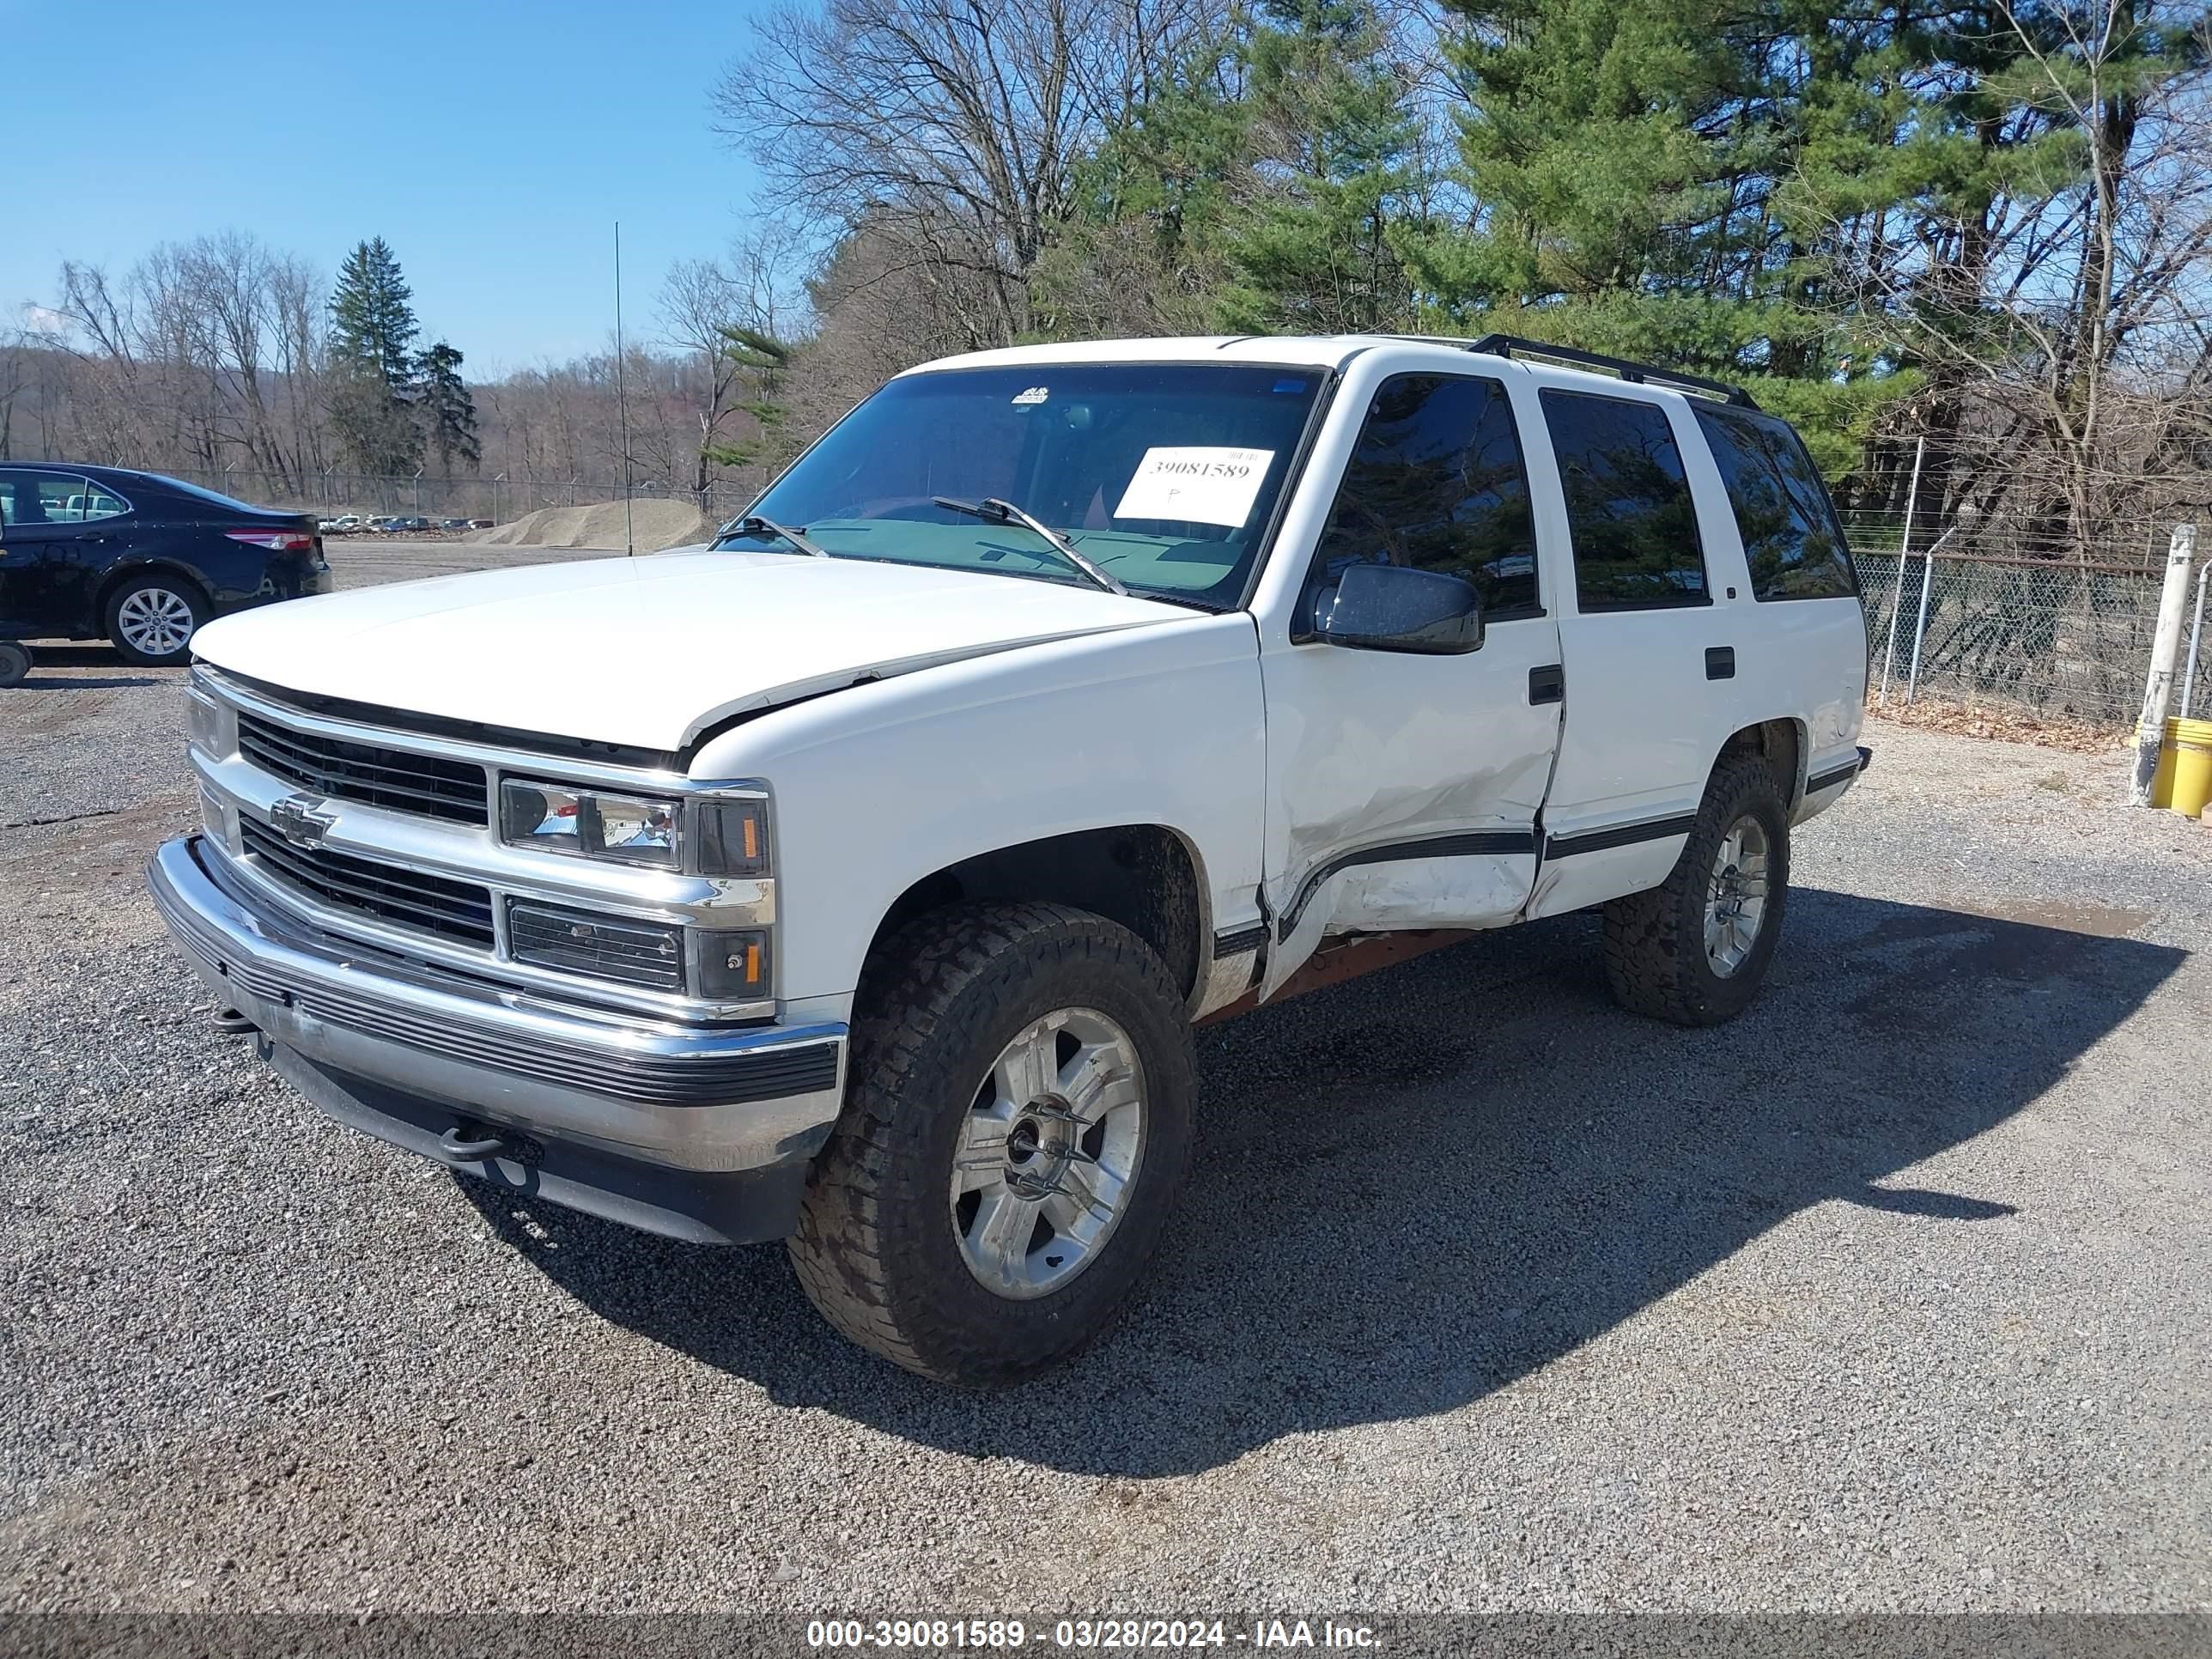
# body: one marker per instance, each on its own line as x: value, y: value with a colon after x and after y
x: 1625, y: 157
x: 373, y: 326
x: 761, y: 360
x: 1261, y: 186
x: 373, y: 331
x: 447, y: 412
x: 1333, y: 134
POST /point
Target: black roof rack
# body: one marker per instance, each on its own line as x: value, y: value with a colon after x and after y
x: 1511, y: 345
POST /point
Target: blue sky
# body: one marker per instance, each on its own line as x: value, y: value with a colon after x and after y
x: 492, y: 145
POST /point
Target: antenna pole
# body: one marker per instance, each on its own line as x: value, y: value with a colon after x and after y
x: 622, y: 401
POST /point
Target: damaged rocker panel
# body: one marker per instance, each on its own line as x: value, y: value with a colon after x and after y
x: 1476, y: 843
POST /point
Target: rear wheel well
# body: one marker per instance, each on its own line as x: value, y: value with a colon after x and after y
x: 1141, y: 875
x: 118, y: 578
x: 1781, y: 744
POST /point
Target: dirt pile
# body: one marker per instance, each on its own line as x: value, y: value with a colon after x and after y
x: 656, y: 525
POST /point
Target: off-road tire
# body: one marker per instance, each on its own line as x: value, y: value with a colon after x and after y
x: 875, y: 1249
x: 194, y: 601
x: 1655, y: 941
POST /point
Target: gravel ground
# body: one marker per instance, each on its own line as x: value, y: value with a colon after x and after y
x: 1891, y: 1295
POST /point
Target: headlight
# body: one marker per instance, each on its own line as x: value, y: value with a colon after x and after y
x: 705, y: 837
x: 588, y: 823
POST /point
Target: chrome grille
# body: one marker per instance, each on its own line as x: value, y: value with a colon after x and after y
x: 453, y: 909
x: 605, y: 947
x: 396, y: 779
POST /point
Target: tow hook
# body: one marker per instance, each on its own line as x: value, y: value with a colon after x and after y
x: 468, y: 1143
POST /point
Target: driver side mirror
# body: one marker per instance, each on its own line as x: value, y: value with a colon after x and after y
x: 1396, y: 607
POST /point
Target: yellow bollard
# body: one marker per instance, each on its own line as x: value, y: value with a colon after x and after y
x: 2183, y: 779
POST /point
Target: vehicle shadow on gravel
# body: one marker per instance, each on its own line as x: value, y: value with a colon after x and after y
x: 47, y: 657
x: 1414, y: 1189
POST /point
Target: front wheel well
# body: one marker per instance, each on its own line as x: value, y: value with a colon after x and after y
x: 1143, y: 876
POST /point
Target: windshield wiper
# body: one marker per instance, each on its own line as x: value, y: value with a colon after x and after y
x: 752, y: 524
x: 991, y: 510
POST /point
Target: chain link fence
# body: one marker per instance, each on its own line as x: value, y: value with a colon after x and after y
x: 2055, y: 637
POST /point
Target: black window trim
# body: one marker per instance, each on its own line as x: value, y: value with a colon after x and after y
x: 1301, y: 634
x: 1851, y: 590
x: 1615, y: 607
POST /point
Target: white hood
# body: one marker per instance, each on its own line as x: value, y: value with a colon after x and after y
x: 647, y: 651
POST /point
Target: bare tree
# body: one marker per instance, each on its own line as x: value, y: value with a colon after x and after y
x: 15, y: 379
x: 2060, y: 318
x: 708, y: 310
x: 949, y: 128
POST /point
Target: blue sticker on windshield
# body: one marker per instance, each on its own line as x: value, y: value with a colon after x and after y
x: 1290, y: 386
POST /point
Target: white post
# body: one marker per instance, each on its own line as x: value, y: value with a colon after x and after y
x: 1904, y: 551
x: 1920, y: 627
x: 2165, y: 646
x: 2195, y: 639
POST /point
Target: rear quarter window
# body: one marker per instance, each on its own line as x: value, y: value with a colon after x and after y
x: 1791, y: 538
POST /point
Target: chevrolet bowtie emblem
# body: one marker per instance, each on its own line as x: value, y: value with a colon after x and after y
x: 298, y: 819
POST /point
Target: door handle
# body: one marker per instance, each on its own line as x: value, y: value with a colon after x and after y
x: 1720, y: 662
x: 1547, y: 683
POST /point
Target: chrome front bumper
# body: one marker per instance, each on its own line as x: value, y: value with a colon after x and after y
x: 416, y: 1044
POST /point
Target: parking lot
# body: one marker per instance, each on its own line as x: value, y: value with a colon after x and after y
x: 1484, y: 1295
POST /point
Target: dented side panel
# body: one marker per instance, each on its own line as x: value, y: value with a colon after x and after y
x: 1402, y: 790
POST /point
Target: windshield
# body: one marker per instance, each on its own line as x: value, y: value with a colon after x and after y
x: 1164, y: 475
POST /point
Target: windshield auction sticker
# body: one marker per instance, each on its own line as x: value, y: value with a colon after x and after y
x: 1198, y: 486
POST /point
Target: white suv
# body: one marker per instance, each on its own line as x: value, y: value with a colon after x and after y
x: 858, y: 879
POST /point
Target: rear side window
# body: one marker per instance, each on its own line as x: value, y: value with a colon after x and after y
x: 1629, y: 510
x: 1436, y: 481
x: 1790, y: 536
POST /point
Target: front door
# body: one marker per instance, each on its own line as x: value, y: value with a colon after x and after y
x: 54, y: 528
x: 1404, y: 789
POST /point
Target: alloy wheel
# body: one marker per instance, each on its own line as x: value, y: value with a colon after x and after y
x: 1735, y: 895
x: 155, y: 620
x: 1048, y: 1153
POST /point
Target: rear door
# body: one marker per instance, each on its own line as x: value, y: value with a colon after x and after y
x: 1404, y: 789
x: 1650, y: 627
x: 1808, y: 644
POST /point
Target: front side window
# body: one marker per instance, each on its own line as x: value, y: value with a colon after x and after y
x: 1791, y: 539
x: 1629, y: 510
x: 1436, y: 481
x: 1165, y: 474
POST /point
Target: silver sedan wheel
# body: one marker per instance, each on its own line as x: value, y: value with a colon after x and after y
x: 155, y: 620
x: 1735, y: 895
x: 1048, y: 1153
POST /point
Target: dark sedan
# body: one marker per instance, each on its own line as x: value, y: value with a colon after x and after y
x: 140, y: 559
